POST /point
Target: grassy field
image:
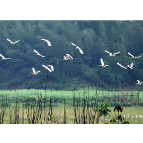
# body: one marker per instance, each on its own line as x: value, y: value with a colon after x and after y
x: 58, y: 115
x: 68, y: 95
x: 70, y: 107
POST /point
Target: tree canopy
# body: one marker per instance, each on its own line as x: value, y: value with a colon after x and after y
x: 93, y: 37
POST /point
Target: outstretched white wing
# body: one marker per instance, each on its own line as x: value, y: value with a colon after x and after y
x: 116, y: 53
x: 9, y: 40
x: 49, y: 70
x: 48, y: 42
x: 121, y: 66
x: 73, y: 44
x: 36, y: 52
x: 67, y: 55
x: 64, y: 58
x: 33, y: 70
x: 130, y: 54
x: 46, y: 68
x: 108, y: 52
x: 71, y: 57
x: 80, y: 51
x: 2, y: 56
x: 131, y: 65
x: 138, y: 81
x: 137, y: 56
x: 16, y: 41
x: 101, y: 60
x: 7, y: 58
x: 52, y: 68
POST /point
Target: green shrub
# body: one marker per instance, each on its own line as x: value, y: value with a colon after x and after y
x: 5, y: 105
x: 126, y: 104
x: 113, y: 104
x: 26, y: 104
x: 30, y: 99
x: 141, y: 104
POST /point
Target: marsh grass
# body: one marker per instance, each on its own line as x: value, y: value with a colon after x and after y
x: 32, y: 113
x: 57, y: 107
x: 122, y: 96
x: 58, y: 117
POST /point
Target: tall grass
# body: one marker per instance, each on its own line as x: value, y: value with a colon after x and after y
x: 38, y: 109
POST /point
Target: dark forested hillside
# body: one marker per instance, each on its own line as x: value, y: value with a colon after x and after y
x: 93, y: 37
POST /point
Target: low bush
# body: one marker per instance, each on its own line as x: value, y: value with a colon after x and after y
x: 141, y: 104
x: 126, y: 104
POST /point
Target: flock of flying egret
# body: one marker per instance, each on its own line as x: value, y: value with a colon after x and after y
x: 50, y: 68
x: 68, y: 57
x: 130, y: 66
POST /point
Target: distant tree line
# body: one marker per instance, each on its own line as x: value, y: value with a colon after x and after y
x: 93, y: 37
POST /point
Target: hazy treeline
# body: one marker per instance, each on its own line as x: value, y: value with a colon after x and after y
x: 93, y: 37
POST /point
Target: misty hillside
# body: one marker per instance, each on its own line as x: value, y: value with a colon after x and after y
x: 93, y: 37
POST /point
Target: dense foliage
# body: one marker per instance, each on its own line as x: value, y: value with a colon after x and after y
x: 93, y: 37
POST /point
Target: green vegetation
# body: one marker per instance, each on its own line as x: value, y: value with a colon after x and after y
x: 104, y: 109
x: 79, y: 107
x: 93, y: 37
x: 78, y: 86
x: 125, y: 98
